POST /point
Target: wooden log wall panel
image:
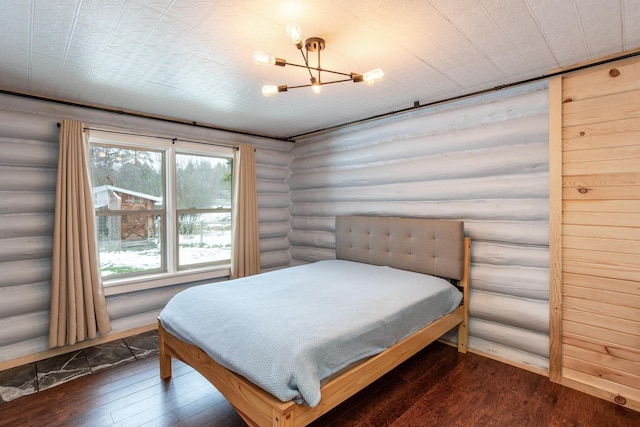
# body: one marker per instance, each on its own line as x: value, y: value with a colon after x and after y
x: 25, y: 327
x: 17, y: 225
x: 274, y: 260
x: 268, y: 186
x: 23, y: 272
x: 270, y: 230
x: 23, y: 248
x: 273, y: 200
x: 522, y: 282
x: 40, y: 154
x: 275, y: 244
x: 600, y: 322
x: 306, y: 254
x: 520, y: 232
x: 273, y: 214
x: 484, y: 161
x: 25, y: 346
x: 493, y: 333
x: 265, y: 172
x: 20, y: 202
x: 24, y: 299
x: 509, y: 354
x: 487, y: 210
x: 507, y: 310
x: 504, y: 254
x: 28, y: 169
x: 27, y: 179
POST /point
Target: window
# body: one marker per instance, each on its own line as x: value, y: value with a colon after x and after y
x: 162, y: 207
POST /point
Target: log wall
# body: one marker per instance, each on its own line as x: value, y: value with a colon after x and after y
x: 28, y: 168
x: 482, y: 160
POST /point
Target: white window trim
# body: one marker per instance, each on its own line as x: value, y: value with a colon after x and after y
x: 152, y: 281
x: 122, y: 285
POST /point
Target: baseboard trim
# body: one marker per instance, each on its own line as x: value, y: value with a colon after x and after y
x: 35, y: 357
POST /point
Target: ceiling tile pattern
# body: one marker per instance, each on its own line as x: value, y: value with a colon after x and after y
x: 192, y: 59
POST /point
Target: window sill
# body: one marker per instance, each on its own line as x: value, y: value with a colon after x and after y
x: 141, y: 283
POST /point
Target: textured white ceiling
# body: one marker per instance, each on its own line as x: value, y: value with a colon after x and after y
x: 192, y: 59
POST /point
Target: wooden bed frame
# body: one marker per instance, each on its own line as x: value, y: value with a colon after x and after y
x: 259, y: 408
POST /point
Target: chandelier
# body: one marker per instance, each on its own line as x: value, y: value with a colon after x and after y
x: 312, y: 44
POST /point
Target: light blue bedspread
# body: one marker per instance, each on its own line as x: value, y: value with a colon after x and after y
x: 289, y: 329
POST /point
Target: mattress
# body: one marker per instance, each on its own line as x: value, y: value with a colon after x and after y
x: 287, y: 330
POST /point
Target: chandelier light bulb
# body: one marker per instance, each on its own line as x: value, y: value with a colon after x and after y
x: 316, y: 86
x: 269, y: 90
x: 263, y: 58
x: 293, y: 32
x: 373, y: 76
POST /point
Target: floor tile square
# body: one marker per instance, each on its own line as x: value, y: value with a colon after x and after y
x: 143, y: 345
x: 17, y: 382
x: 109, y: 354
x: 60, y: 369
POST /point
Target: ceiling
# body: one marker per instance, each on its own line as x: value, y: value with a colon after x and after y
x: 192, y: 59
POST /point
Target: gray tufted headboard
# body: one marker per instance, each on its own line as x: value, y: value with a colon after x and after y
x: 422, y: 245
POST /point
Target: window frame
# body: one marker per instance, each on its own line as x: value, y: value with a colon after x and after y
x: 172, y: 274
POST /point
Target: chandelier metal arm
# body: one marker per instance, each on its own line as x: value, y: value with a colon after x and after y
x: 318, y: 69
x: 323, y: 83
x: 306, y: 61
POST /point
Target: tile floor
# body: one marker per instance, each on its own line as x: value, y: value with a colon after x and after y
x: 33, y: 377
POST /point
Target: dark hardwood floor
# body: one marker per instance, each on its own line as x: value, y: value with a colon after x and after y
x: 438, y: 387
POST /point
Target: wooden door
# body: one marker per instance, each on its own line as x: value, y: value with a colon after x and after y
x: 596, y: 270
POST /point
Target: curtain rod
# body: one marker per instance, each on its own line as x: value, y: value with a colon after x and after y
x: 417, y: 105
x: 173, y: 140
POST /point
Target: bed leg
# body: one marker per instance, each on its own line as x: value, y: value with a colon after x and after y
x: 463, y: 337
x: 165, y: 366
x: 165, y: 359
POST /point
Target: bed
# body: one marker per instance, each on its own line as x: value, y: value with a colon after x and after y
x: 400, y: 253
